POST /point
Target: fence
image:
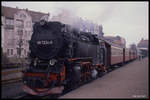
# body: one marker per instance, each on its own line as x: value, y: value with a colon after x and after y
x: 14, y: 65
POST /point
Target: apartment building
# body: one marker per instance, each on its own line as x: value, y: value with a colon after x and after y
x: 16, y: 30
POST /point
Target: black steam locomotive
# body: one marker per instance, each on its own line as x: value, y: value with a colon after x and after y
x: 62, y: 58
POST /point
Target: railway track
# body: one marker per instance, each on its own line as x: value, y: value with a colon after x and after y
x: 27, y: 96
x: 11, y: 71
x: 10, y: 81
x: 11, y: 76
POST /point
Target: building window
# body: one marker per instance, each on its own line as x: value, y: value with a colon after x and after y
x: 20, y: 32
x: 9, y: 21
x: 8, y: 52
x: 11, y: 51
x: 22, y: 16
x: 24, y: 52
x: 10, y: 31
x: 26, y: 32
x: 19, y: 50
x: 28, y: 24
x: 19, y: 23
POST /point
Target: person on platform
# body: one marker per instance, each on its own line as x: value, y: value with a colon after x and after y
x: 140, y: 57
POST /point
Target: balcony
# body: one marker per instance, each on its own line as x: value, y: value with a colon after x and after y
x: 9, y: 27
x: 20, y: 26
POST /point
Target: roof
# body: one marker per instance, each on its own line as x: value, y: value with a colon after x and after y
x: 143, y: 43
x: 111, y: 43
x: 143, y: 48
x: 115, y: 40
x: 9, y: 12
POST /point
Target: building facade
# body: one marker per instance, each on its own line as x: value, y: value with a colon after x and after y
x: 143, y: 44
x: 143, y: 47
x: 17, y: 30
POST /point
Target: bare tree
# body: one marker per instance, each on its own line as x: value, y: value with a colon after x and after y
x: 133, y: 47
x: 20, y: 42
x: 20, y: 46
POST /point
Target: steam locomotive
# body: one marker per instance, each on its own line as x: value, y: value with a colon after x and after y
x: 62, y: 58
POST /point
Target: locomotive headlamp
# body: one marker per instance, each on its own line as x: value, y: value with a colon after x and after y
x: 52, y: 62
x: 35, y: 61
x: 24, y: 82
x: 44, y: 19
x: 42, y: 22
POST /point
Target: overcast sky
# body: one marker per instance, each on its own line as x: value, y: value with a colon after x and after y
x: 126, y: 19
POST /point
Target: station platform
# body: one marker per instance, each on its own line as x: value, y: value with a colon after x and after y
x: 128, y: 81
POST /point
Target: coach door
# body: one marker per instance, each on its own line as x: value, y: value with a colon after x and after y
x: 108, y: 54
